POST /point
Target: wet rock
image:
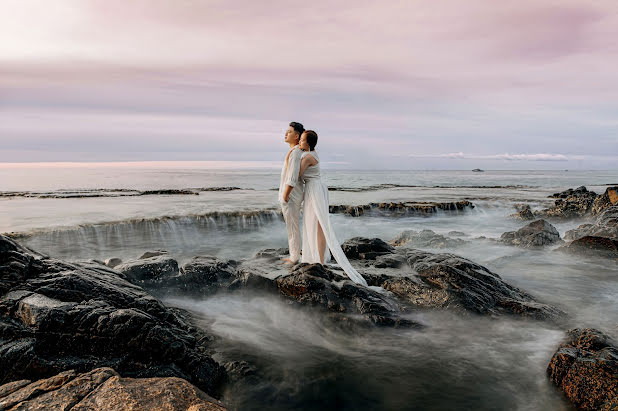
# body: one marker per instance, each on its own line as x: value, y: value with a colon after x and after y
x: 426, y: 239
x: 112, y: 262
x: 605, y: 201
x: 104, y: 389
x: 312, y: 284
x: 239, y: 369
x: 149, y: 254
x: 457, y: 234
x: 570, y: 204
x: 585, y: 368
x: 450, y: 281
x: 390, y: 261
x: 365, y: 248
x: 149, y: 271
x: 401, y: 208
x: 57, y: 316
x: 536, y: 234
x: 273, y: 253
x: 605, y: 225
x: 524, y: 212
x: 593, y: 246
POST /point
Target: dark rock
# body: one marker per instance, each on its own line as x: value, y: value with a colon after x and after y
x: 585, y: 368
x: 570, y: 204
x: 104, y: 389
x: 525, y: 213
x: 312, y: 284
x: 239, y: 369
x: 606, y: 225
x: 155, y: 253
x: 149, y: 271
x: 593, y: 246
x: 450, y: 281
x: 402, y: 208
x: 273, y: 253
x: 365, y: 248
x: 426, y: 239
x: 389, y: 261
x: 56, y: 316
x: 537, y: 233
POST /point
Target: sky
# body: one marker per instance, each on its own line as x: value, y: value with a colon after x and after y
x: 449, y: 84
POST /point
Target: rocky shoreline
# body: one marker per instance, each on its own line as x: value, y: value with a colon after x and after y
x: 96, y: 334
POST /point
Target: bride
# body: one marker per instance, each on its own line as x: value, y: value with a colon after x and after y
x: 318, y: 232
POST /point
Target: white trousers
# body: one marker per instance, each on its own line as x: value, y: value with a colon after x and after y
x: 291, y: 215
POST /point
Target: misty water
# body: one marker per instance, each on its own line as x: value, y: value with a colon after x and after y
x: 304, y: 359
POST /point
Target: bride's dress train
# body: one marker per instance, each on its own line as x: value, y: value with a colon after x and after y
x: 315, y: 210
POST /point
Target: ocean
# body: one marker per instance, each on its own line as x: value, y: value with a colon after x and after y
x: 82, y: 212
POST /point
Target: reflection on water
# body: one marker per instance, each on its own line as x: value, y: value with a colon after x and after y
x: 305, y: 362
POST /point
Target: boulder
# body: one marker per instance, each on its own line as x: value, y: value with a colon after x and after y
x: 605, y: 201
x: 104, y: 389
x: 536, y: 234
x: 426, y: 239
x: 365, y: 248
x: 453, y: 282
x: 57, y: 316
x: 572, y: 203
x: 149, y: 271
x: 605, y: 225
x: 524, y: 212
x: 593, y: 246
x: 149, y: 254
x: 585, y: 368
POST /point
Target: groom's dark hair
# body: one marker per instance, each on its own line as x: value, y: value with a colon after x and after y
x: 299, y: 128
x: 312, y: 139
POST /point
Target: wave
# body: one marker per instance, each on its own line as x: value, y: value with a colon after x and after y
x: 113, y: 192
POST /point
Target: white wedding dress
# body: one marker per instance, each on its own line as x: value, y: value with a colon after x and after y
x: 315, y: 210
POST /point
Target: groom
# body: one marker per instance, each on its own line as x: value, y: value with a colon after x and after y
x: 291, y: 190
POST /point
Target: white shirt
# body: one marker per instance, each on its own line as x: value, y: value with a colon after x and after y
x: 290, y: 171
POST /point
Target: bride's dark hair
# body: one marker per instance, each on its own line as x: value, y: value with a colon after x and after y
x: 312, y: 139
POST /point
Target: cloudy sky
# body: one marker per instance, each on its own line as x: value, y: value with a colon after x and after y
x: 449, y: 84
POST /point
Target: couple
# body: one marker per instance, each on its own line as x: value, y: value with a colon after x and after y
x: 301, y: 185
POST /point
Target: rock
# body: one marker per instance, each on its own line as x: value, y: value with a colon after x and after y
x: 524, y: 213
x: 407, y: 208
x: 606, y: 225
x: 312, y: 284
x: 365, y: 248
x: 149, y: 271
x: 112, y: 262
x: 457, y: 234
x: 390, y: 261
x: 149, y: 254
x: 104, y: 389
x: 450, y: 281
x: 239, y: 369
x: 606, y: 200
x: 57, y: 316
x: 593, y: 246
x: 426, y: 239
x: 585, y: 368
x: 570, y: 204
x: 537, y: 233
x: 273, y: 253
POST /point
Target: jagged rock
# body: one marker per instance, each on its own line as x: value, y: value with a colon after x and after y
x: 365, y: 248
x: 390, y: 261
x: 524, y: 212
x: 239, y: 369
x: 570, y: 204
x: 605, y: 201
x: 593, y: 246
x: 420, y: 208
x: 537, y: 233
x: 104, y: 389
x: 149, y: 254
x: 606, y: 225
x: 312, y: 284
x: 450, y: 281
x: 273, y: 253
x: 149, y: 271
x: 457, y: 233
x: 585, y: 368
x: 426, y: 239
x: 56, y: 316
x: 112, y: 262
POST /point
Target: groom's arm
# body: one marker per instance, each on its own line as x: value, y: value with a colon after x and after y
x: 293, y: 171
